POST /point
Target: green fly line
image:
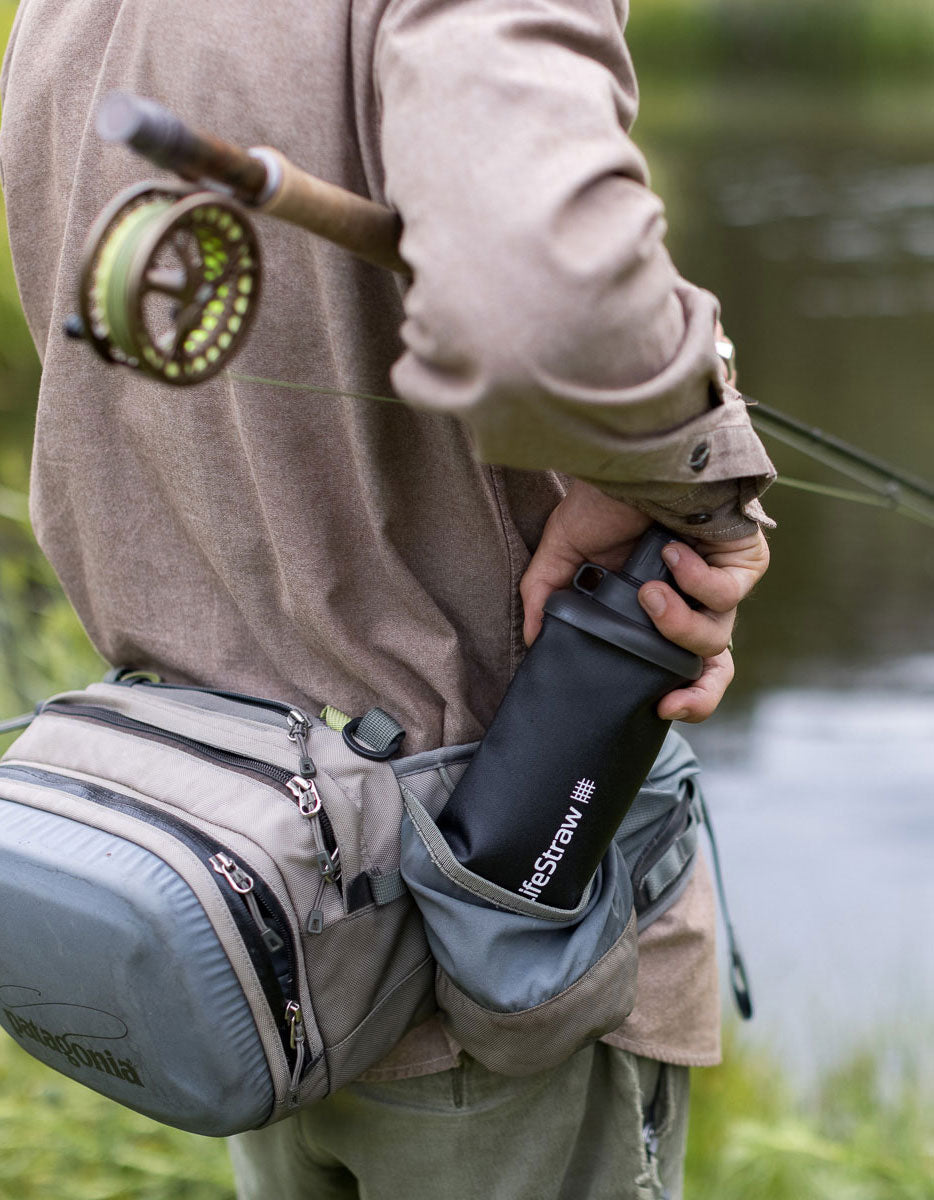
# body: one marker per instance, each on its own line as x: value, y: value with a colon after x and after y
x: 14, y: 505
x: 892, y: 489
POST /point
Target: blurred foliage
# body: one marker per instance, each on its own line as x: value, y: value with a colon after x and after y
x: 858, y: 38
x: 868, y: 1134
x: 43, y: 648
x: 58, y: 1139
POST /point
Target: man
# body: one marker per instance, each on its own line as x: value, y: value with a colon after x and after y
x: 348, y: 552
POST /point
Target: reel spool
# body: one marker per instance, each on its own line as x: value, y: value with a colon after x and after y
x: 170, y: 281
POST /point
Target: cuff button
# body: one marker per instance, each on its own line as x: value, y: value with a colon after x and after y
x: 700, y: 456
x: 700, y: 518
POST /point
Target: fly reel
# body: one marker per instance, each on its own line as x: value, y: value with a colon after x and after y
x: 170, y: 281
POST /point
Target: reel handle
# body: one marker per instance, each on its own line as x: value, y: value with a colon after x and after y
x: 262, y: 178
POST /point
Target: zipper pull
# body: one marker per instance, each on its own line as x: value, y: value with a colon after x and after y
x: 235, y: 875
x: 308, y: 799
x: 315, y: 920
x: 299, y: 726
x: 293, y: 1014
x: 242, y: 884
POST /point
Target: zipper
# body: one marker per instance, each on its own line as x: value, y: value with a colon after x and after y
x: 306, y: 795
x: 275, y: 969
x: 298, y: 733
x: 242, y: 884
x: 297, y: 1042
x: 279, y: 706
x: 314, y: 922
x: 295, y: 787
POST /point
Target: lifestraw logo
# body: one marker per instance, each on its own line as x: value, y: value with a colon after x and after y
x: 583, y: 790
x: 547, y: 862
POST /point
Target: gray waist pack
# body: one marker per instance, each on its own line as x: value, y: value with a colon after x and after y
x: 218, y: 910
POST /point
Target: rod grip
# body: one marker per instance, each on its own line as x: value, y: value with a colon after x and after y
x: 166, y: 141
x: 369, y: 230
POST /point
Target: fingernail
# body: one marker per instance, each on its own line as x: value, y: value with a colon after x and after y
x: 653, y: 601
x: 680, y: 715
x: 671, y: 555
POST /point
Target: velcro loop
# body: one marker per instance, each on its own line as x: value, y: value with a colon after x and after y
x: 671, y: 864
x: 378, y: 730
x: 386, y: 888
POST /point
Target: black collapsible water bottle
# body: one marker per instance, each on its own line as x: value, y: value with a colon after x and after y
x: 574, y: 737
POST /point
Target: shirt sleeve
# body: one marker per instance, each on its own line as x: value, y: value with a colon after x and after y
x: 544, y: 309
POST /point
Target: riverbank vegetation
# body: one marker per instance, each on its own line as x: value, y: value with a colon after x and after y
x: 860, y: 39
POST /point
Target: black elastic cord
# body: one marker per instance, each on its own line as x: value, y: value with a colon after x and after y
x: 739, y: 976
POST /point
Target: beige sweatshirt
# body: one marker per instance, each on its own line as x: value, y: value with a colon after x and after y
x: 325, y: 549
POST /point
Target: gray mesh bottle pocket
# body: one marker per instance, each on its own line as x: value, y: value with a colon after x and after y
x: 521, y: 984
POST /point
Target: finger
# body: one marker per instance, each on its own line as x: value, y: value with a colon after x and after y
x: 696, y: 703
x: 534, y: 594
x: 549, y: 569
x: 701, y: 631
x: 723, y: 574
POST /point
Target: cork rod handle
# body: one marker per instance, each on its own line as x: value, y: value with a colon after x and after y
x: 369, y: 230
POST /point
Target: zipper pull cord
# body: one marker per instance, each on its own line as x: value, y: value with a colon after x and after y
x: 301, y: 789
x: 739, y: 975
x: 293, y: 1014
x: 299, y: 726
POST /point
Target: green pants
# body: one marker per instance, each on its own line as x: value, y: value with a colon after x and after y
x: 582, y: 1131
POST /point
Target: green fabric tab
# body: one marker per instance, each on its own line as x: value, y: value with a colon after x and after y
x: 334, y: 718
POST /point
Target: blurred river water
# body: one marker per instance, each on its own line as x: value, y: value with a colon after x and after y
x: 811, y: 215
x: 810, y: 212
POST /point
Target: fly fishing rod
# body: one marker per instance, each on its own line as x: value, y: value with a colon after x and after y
x: 171, y: 274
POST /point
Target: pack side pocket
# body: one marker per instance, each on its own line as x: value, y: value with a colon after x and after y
x: 522, y: 1043
x: 521, y: 984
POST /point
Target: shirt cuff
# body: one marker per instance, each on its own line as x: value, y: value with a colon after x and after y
x: 702, y: 479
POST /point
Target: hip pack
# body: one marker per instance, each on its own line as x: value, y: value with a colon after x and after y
x: 218, y: 910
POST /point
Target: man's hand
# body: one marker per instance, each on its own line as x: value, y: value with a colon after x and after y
x: 587, y: 526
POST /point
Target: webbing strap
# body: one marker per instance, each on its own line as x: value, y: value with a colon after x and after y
x: 334, y: 718
x: 17, y: 723
x: 671, y: 863
x: 386, y: 888
x: 378, y: 730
